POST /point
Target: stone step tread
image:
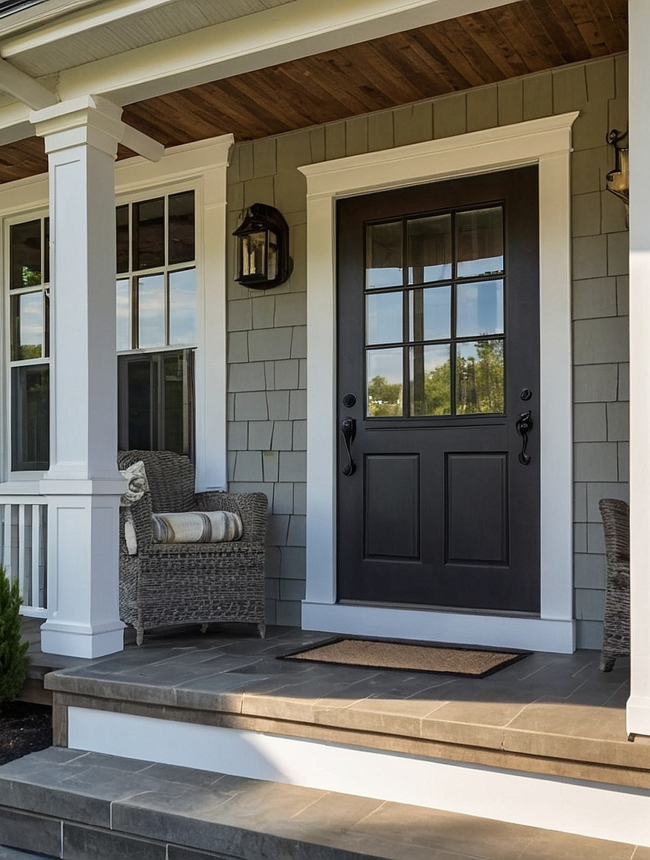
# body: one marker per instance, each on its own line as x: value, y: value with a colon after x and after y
x: 15, y: 854
x: 247, y: 819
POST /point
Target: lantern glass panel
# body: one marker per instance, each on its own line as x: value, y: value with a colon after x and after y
x: 273, y: 256
x: 253, y: 255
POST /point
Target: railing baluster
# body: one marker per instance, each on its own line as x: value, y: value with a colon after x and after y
x: 6, y: 548
x: 36, y: 556
x: 23, y: 533
x: 22, y: 555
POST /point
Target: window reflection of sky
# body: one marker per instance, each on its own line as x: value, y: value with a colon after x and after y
x: 31, y: 320
x: 384, y: 318
x: 151, y: 310
x: 123, y: 314
x: 386, y: 363
x: 479, y: 309
x: 182, y: 307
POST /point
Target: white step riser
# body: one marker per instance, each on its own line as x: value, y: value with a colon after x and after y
x: 586, y: 809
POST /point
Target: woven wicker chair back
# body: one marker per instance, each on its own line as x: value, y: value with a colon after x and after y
x: 170, y: 476
x: 616, y: 524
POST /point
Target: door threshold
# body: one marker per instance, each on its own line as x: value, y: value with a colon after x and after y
x: 430, y: 624
x: 457, y: 610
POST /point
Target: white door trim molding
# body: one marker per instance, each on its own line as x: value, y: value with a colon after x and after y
x: 546, y: 142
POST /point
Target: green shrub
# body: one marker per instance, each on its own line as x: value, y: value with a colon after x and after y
x: 13, y: 659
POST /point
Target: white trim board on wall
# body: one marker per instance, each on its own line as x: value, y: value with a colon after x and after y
x: 547, y: 143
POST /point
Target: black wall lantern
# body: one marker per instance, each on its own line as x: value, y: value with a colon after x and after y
x: 618, y: 179
x: 263, y: 259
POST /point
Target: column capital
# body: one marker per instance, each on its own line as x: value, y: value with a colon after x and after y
x: 88, y: 120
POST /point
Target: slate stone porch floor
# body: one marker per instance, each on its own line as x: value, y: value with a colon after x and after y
x: 549, y: 713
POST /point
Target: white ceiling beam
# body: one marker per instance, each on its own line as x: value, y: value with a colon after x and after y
x: 142, y: 144
x: 277, y: 35
x: 25, y: 89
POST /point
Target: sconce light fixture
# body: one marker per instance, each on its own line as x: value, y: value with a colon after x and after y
x: 263, y: 259
x: 618, y: 179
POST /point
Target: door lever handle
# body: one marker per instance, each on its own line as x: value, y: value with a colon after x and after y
x: 524, y: 425
x: 348, y: 429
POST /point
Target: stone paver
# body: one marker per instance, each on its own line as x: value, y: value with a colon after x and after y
x: 109, y: 807
x: 547, y: 705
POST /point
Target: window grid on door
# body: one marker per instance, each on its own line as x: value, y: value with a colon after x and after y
x: 434, y: 314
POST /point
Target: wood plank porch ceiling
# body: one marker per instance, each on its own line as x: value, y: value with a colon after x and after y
x: 450, y: 56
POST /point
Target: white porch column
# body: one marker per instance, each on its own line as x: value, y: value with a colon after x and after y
x: 82, y: 485
x: 638, y: 706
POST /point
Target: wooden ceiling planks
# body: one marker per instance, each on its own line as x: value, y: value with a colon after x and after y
x: 494, y: 45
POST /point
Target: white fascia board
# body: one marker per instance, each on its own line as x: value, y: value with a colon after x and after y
x: 274, y: 36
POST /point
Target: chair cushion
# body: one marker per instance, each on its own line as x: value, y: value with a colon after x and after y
x: 196, y: 527
x: 137, y: 484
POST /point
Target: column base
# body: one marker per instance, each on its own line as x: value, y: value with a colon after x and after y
x: 80, y: 640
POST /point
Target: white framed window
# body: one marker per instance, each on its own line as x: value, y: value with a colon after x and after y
x: 27, y: 275
x: 199, y: 167
x: 156, y: 305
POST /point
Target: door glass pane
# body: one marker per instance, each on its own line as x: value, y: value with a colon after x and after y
x: 30, y: 417
x: 479, y: 377
x: 25, y: 254
x: 122, y: 238
x: 151, y: 310
x: 139, y: 404
x: 384, y: 255
x: 430, y: 313
x: 429, y: 249
x: 430, y: 380
x: 149, y: 233
x: 181, y: 227
x: 182, y: 306
x: 27, y: 329
x: 123, y: 293
x: 384, y: 382
x: 384, y: 318
x: 479, y: 309
x: 480, y: 242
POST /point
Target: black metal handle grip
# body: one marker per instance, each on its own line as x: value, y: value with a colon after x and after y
x: 524, y: 425
x: 348, y: 428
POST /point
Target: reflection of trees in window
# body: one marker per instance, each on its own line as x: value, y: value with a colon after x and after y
x: 479, y: 378
x: 437, y: 395
x: 384, y: 397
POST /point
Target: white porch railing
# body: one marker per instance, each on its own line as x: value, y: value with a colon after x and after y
x: 23, y: 549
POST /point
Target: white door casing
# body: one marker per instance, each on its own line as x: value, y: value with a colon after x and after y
x: 547, y: 143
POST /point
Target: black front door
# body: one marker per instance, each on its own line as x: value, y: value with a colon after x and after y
x: 438, y: 394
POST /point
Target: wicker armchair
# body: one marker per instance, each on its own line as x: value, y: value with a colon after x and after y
x: 180, y: 583
x: 616, y: 626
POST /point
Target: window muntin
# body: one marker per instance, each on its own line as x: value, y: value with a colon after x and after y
x: 434, y: 320
x: 29, y: 347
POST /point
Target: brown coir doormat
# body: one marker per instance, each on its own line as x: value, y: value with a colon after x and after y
x: 442, y: 659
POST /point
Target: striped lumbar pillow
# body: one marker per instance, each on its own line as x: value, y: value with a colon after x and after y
x: 196, y: 527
